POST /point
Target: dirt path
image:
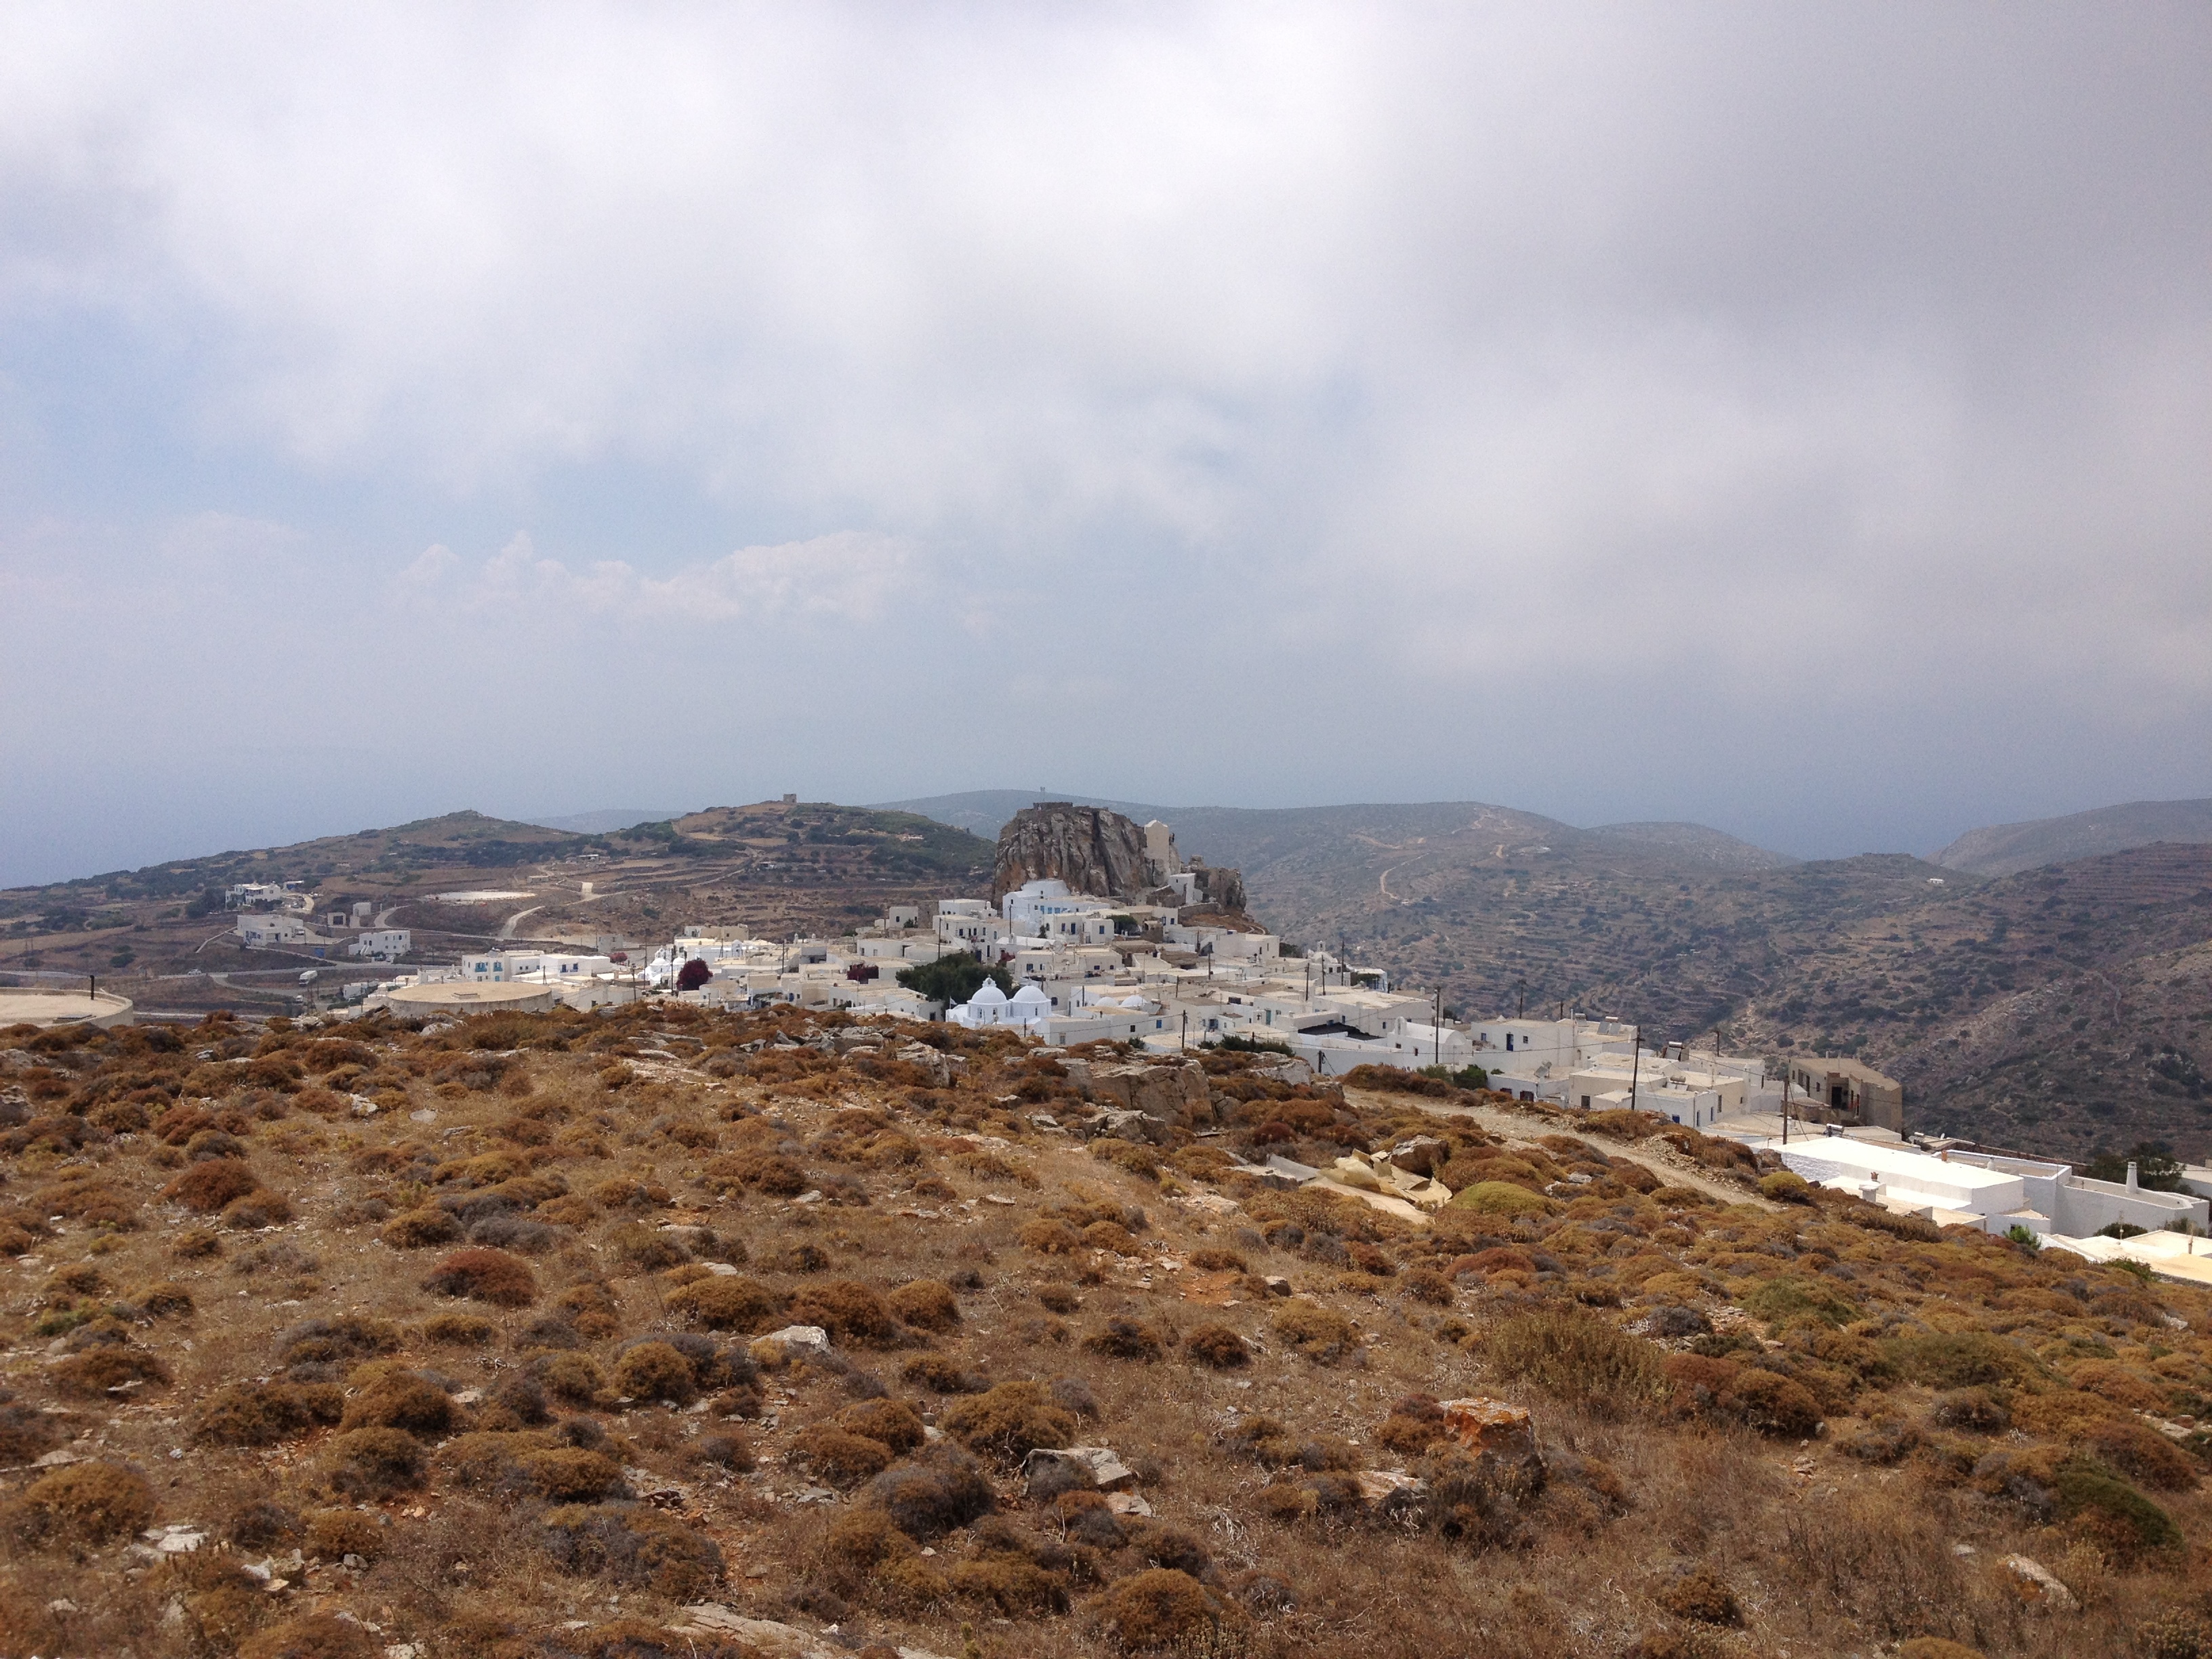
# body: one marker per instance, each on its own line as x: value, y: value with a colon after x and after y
x: 1653, y: 1154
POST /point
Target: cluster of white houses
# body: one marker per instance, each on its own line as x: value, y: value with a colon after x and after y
x: 1086, y: 970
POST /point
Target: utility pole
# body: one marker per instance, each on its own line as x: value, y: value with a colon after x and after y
x: 1635, y: 1065
x: 1440, y: 1025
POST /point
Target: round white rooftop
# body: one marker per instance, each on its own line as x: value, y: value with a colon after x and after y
x: 456, y: 997
x: 1030, y: 996
x: 40, y: 1005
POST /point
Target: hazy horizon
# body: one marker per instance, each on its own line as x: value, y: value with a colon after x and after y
x: 1788, y: 421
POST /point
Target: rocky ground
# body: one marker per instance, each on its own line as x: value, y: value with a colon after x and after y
x: 670, y: 1333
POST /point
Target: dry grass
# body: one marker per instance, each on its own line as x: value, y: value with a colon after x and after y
x: 1972, y: 1395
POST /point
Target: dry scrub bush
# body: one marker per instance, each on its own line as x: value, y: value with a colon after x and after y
x: 849, y: 1310
x: 1579, y: 1359
x: 726, y: 1302
x: 1127, y: 1339
x: 927, y: 1304
x: 419, y: 1229
x: 1058, y: 1298
x: 372, y: 1463
x: 93, y: 1373
x: 631, y: 1545
x: 207, y: 1188
x: 1315, y: 1333
x: 263, y: 1413
x: 333, y: 1535
x: 400, y: 1400
x: 573, y: 1378
x: 1701, y: 1597
x: 311, y: 1635
x: 568, y: 1475
x: 840, y: 1457
x: 1757, y: 1398
x: 941, y: 1489
x: 1156, y: 1610
x: 1010, y: 1421
x: 655, y: 1370
x: 86, y: 1503
x: 1049, y: 1238
x: 938, y: 1374
x: 458, y: 1330
x: 484, y: 1275
x: 892, y: 1421
x: 1217, y: 1346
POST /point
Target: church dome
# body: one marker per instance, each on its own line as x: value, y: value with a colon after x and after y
x: 1032, y: 996
x: 987, y: 995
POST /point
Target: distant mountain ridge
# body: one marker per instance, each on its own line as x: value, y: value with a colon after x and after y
x: 2006, y: 849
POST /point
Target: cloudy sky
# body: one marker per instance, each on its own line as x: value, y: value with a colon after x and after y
x: 1794, y: 418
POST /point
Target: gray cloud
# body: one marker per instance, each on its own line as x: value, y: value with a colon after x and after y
x: 1789, y: 418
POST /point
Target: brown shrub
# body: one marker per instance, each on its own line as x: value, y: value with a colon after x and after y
x: 372, y: 1463
x: 926, y: 1304
x: 764, y: 1171
x: 1058, y: 1298
x: 1125, y: 1339
x: 569, y: 1475
x: 484, y: 1275
x: 574, y: 1377
x: 591, y: 1309
x: 1160, y: 1608
x: 849, y: 1310
x: 1216, y: 1261
x: 1219, y: 1347
x: 459, y: 1330
x: 1010, y: 1421
x: 1009, y: 1585
x: 1700, y: 1597
x: 655, y: 1370
x: 84, y: 1504
x: 645, y: 1249
x: 726, y: 1302
x: 938, y: 1374
x: 419, y: 1229
x: 263, y: 1413
x: 1049, y: 1238
x: 1428, y: 1285
x: 892, y: 1421
x: 333, y: 1535
x: 1579, y: 1358
x: 1318, y: 1334
x: 839, y: 1456
x: 1758, y: 1399
x: 98, y: 1369
x: 400, y: 1400
x: 311, y: 1636
x: 208, y: 1187
x: 165, y: 1300
x: 259, y: 1208
x: 942, y: 1488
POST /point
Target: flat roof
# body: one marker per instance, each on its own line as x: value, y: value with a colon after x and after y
x: 40, y: 1005
x: 1902, y: 1164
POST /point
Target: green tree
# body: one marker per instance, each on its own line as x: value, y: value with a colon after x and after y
x: 2156, y: 1167
x: 953, y: 978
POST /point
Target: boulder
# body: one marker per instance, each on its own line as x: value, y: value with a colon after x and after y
x: 2037, y: 1585
x: 1173, y: 1091
x: 1502, y: 1436
x: 1075, y: 1469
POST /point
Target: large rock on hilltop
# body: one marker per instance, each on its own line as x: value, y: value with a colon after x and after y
x: 1091, y: 849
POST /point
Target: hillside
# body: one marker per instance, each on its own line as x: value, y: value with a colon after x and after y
x: 2057, y: 1011
x: 158, y: 936
x: 669, y: 1334
x: 2005, y: 849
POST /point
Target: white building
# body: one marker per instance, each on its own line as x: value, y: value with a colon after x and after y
x: 992, y: 1008
x: 1983, y: 1190
x: 381, y: 943
x: 258, y: 931
x: 1044, y: 908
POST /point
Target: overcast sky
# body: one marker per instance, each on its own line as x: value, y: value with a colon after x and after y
x: 1794, y: 418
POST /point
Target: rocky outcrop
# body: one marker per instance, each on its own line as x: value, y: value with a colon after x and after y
x: 1090, y: 848
x: 1218, y: 887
